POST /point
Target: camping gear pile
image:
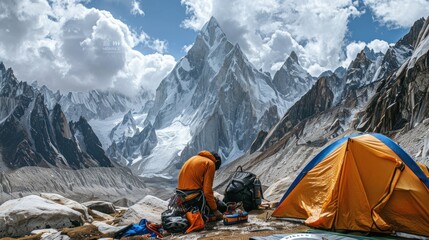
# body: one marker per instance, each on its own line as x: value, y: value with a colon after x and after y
x: 182, y: 216
x: 244, y: 191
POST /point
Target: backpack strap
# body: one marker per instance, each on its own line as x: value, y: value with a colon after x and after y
x: 239, y: 167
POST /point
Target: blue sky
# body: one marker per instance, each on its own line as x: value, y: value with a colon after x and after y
x: 161, y: 20
x: 366, y: 28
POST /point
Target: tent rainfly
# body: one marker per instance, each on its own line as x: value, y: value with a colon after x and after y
x: 363, y: 182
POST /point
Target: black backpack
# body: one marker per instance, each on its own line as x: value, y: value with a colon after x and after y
x: 244, y: 187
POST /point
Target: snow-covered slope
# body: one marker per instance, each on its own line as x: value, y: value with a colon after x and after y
x: 214, y: 99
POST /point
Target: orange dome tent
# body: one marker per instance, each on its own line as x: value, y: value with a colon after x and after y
x: 363, y: 182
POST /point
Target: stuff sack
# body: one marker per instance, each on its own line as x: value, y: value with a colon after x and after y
x: 195, y: 220
x: 244, y: 187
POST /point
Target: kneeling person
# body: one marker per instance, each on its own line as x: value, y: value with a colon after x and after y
x: 198, y: 174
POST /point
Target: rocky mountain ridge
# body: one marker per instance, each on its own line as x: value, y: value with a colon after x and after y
x: 95, y: 104
x: 31, y: 135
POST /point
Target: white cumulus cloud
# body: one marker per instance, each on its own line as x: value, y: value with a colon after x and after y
x: 352, y: 51
x: 159, y: 46
x: 135, y: 8
x: 354, y: 48
x: 378, y: 45
x: 67, y: 46
x: 398, y: 13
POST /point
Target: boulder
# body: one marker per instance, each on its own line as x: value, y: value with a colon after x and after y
x: 106, y: 228
x: 68, y: 203
x: 101, y: 206
x: 44, y: 232
x: 278, y: 189
x: 49, y: 234
x: 54, y: 236
x: 123, y: 202
x: 99, y: 216
x: 19, y: 217
x: 149, y: 207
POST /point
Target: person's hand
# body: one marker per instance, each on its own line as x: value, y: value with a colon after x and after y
x: 218, y: 215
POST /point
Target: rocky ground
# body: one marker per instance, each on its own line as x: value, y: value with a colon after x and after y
x: 51, y: 216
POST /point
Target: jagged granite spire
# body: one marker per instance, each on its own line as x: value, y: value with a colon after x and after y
x: 293, y: 57
x: 412, y: 37
x: 212, y: 33
x: 2, y: 68
x: 401, y: 99
x: 291, y: 80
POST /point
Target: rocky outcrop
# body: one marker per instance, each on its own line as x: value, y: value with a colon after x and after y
x: 21, y: 216
x: 100, y: 206
x: 68, y: 203
x: 88, y: 142
x: 65, y: 140
x: 149, y: 207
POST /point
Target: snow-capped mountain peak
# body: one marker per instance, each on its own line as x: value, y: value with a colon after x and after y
x: 293, y: 57
x: 212, y: 33
x: 292, y: 81
x: 7, y: 76
x: 214, y: 94
x: 126, y: 128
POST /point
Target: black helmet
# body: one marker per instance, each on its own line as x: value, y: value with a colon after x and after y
x: 175, y: 224
x: 218, y: 160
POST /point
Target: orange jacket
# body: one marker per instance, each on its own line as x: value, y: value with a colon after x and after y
x: 198, y: 173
